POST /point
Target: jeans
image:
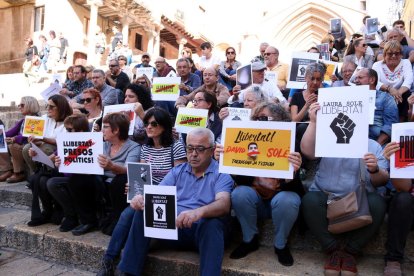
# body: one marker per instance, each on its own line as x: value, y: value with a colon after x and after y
x: 206, y: 235
x: 249, y: 206
x: 400, y: 218
x: 314, y: 210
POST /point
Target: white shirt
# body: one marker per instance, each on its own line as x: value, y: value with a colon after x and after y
x: 52, y: 128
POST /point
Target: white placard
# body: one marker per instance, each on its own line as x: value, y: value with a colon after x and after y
x: 41, y: 156
x: 298, y: 64
x: 57, y: 78
x: 160, y: 212
x: 147, y: 71
x: 402, y: 162
x: 342, y: 122
x: 372, y: 107
x: 238, y: 114
x: 165, y: 89
x: 79, y: 152
x: 139, y: 174
x: 3, y: 144
x: 53, y: 89
x: 190, y: 118
x: 372, y: 25
x: 127, y: 109
x: 272, y: 78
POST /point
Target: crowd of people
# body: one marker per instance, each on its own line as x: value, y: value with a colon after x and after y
x: 83, y: 203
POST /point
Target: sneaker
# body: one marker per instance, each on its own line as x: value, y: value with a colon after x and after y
x: 245, y: 248
x: 348, y: 265
x: 392, y: 269
x: 107, y: 268
x: 68, y: 224
x: 333, y: 264
x: 284, y: 256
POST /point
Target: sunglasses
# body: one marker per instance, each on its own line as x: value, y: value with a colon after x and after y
x: 198, y: 149
x: 113, y: 65
x: 87, y: 100
x: 69, y: 129
x: 390, y: 54
x: 364, y: 45
x: 20, y: 106
x: 152, y: 124
x: 141, y: 82
x: 264, y: 118
x: 231, y: 53
x: 268, y: 54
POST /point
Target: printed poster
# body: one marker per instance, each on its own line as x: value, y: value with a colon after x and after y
x: 190, y: 118
x: 402, y: 162
x: 330, y: 70
x: 244, y: 76
x: 127, y: 109
x: 34, y: 126
x: 299, y: 62
x: 79, y: 152
x: 41, y: 156
x: 53, y: 89
x: 238, y: 114
x: 147, y: 71
x: 372, y: 107
x: 258, y: 148
x: 57, y: 78
x: 342, y: 122
x: 372, y: 25
x: 272, y: 78
x: 139, y: 174
x: 160, y: 212
x: 3, y: 144
x: 166, y: 89
x: 323, y: 48
x: 336, y: 25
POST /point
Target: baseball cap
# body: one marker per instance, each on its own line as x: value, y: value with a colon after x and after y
x: 258, y: 66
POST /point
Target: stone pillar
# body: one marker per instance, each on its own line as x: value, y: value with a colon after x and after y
x: 181, y: 42
x: 125, y: 29
x: 157, y: 38
x: 93, y: 22
x: 150, y: 45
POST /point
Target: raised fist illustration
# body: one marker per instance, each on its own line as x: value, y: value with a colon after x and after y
x: 159, y: 211
x: 343, y: 127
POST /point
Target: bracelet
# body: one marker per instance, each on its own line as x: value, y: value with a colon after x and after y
x: 375, y: 171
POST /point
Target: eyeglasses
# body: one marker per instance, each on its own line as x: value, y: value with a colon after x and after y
x: 49, y: 106
x: 20, y: 106
x: 364, y: 45
x: 268, y: 54
x: 112, y: 65
x: 198, y: 149
x: 390, y: 54
x: 152, y: 124
x: 230, y: 53
x: 69, y: 129
x: 198, y: 101
x: 264, y: 118
x: 87, y: 100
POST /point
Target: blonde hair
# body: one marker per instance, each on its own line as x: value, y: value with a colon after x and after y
x: 328, y: 38
x: 30, y: 104
x: 392, y: 45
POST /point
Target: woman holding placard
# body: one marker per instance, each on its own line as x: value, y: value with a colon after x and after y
x: 12, y: 163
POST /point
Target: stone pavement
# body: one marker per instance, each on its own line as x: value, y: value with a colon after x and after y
x: 83, y: 253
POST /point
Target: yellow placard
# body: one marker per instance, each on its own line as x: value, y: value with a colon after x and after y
x: 257, y: 148
x: 160, y: 88
x: 330, y: 70
x: 34, y: 127
x: 191, y: 120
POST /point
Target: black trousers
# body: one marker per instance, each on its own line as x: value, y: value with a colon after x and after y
x: 116, y: 190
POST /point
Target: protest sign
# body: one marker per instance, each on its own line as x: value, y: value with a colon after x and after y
x: 299, y: 62
x: 272, y: 78
x: 160, y: 212
x: 330, y: 70
x: 3, y: 144
x: 342, y: 122
x: 336, y: 25
x: 190, y: 118
x: 139, y: 174
x: 147, y: 71
x: 372, y: 25
x: 257, y: 148
x: 166, y: 89
x: 127, y: 109
x: 402, y: 162
x: 53, y: 89
x: 34, y: 126
x: 79, y: 152
x: 238, y: 114
x: 57, y: 78
x: 372, y: 107
x: 41, y: 156
x: 244, y: 76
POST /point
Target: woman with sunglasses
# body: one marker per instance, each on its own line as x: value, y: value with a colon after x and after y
x: 144, y: 81
x: 395, y: 76
x: 356, y: 52
x: 141, y: 96
x: 206, y: 100
x: 92, y: 102
x: 163, y: 153
x: 228, y: 68
x: 12, y: 163
x: 258, y: 197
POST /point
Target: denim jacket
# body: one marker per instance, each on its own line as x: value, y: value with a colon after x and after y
x: 386, y: 114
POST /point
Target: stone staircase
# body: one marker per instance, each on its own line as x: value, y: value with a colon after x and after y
x: 84, y: 252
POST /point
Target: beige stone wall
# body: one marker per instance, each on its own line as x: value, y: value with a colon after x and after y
x: 408, y: 17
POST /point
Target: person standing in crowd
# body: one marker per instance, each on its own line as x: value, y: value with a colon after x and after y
x: 54, y: 54
x: 116, y: 38
x: 123, y: 64
x: 333, y: 53
x: 44, y: 50
x: 64, y: 44
x: 31, y: 62
x: 100, y: 44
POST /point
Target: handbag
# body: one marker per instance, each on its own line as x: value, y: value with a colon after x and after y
x: 351, y: 211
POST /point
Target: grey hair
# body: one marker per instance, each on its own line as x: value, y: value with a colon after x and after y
x: 258, y: 93
x: 99, y: 71
x: 264, y: 44
x: 315, y: 67
x: 202, y: 132
x: 30, y: 104
x: 183, y: 60
x: 115, y: 61
x: 278, y: 112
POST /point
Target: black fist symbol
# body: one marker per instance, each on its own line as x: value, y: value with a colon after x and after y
x: 343, y: 127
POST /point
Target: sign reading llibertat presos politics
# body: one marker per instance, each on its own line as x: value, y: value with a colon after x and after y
x: 299, y: 62
x: 160, y: 212
x: 402, y: 162
x: 165, y: 89
x: 79, y: 152
x: 342, y: 122
x: 190, y: 118
x: 257, y: 148
x: 139, y: 174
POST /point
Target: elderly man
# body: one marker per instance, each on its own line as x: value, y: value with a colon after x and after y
x: 203, y: 199
x: 79, y: 84
x: 347, y: 70
x: 210, y: 76
x: 145, y: 60
x: 163, y: 69
x: 262, y: 49
x: 271, y: 59
x: 189, y: 81
x: 115, y: 77
x: 386, y: 112
x: 258, y: 69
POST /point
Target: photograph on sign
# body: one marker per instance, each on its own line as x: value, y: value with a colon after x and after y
x: 139, y: 174
x: 299, y: 62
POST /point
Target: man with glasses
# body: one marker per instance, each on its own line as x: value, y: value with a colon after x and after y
x: 271, y: 59
x: 211, y: 85
x: 79, y: 83
x: 262, y: 49
x: 116, y: 78
x: 145, y: 60
x: 347, y: 70
x: 203, y: 204
x: 163, y: 69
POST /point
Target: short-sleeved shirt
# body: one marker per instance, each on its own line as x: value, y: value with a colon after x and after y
x: 122, y: 81
x: 194, y: 192
x: 161, y: 160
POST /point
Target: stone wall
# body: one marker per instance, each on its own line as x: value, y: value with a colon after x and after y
x: 9, y: 116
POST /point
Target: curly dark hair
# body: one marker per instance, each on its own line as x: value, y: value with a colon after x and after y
x: 143, y: 94
x: 162, y: 117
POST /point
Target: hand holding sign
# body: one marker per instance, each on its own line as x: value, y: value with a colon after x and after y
x: 343, y: 127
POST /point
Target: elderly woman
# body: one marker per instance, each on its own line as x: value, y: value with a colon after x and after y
x: 228, y: 68
x: 338, y: 177
x: 395, y: 76
x: 205, y: 100
x: 257, y: 197
x: 12, y: 163
x: 356, y: 52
